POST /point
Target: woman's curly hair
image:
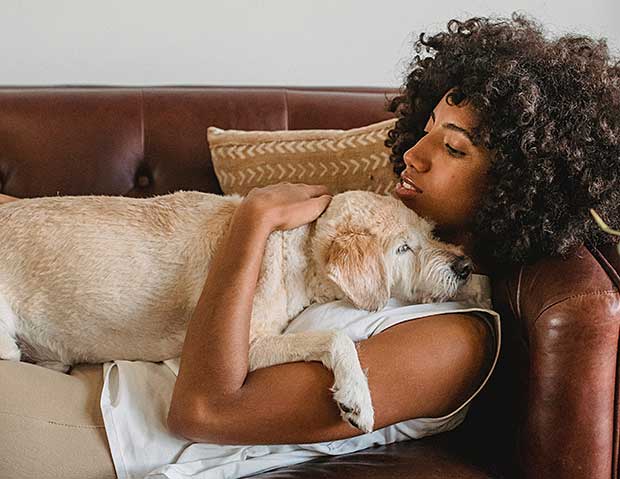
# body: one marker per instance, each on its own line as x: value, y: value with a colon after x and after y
x: 550, y: 110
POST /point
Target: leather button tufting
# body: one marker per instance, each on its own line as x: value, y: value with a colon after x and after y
x: 143, y: 181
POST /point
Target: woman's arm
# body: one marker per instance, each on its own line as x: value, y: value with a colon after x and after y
x: 425, y: 367
x: 214, y: 358
x: 419, y: 368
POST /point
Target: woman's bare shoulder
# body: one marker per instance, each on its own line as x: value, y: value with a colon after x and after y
x: 426, y: 367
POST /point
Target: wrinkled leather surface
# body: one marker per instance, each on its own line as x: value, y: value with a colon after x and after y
x: 549, y: 410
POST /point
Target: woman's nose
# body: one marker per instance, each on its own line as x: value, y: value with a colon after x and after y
x: 415, y: 158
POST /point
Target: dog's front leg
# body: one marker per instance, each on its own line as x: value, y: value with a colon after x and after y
x: 337, y: 352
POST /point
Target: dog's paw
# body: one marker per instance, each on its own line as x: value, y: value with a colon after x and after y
x: 352, y: 396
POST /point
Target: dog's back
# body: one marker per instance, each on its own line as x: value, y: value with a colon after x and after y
x: 95, y: 278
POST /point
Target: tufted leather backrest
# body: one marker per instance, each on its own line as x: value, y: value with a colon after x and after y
x: 150, y: 141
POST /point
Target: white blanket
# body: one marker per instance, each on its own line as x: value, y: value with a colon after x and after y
x: 136, y: 397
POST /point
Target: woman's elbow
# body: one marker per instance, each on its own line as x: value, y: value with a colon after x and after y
x: 177, y: 420
x: 188, y: 420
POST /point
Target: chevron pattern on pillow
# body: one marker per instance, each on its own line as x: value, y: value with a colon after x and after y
x: 343, y: 160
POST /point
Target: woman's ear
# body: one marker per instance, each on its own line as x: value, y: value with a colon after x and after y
x: 356, y: 264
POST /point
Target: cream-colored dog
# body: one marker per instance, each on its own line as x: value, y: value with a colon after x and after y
x: 89, y: 279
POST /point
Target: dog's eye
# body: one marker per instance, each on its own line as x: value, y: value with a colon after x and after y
x: 403, y: 249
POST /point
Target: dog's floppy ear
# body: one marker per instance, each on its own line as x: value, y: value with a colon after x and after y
x: 355, y: 263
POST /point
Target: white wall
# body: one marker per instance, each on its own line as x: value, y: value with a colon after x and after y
x: 245, y: 42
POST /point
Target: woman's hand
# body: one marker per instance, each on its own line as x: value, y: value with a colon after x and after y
x: 215, y: 355
x: 288, y: 205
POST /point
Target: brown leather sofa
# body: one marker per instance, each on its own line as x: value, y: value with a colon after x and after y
x: 550, y: 408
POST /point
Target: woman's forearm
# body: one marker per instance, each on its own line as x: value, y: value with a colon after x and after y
x: 214, y: 359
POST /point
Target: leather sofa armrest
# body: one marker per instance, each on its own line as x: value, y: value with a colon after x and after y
x: 561, y: 319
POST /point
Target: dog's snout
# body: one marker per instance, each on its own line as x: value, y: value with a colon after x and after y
x: 462, y: 267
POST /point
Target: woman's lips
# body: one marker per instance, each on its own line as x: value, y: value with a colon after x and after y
x: 410, y: 181
x: 403, y: 192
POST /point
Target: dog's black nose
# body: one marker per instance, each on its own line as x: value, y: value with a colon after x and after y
x: 462, y: 267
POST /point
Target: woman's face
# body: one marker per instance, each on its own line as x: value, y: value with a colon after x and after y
x: 448, y: 168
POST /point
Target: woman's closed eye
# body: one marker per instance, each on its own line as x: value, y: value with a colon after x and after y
x: 454, y: 152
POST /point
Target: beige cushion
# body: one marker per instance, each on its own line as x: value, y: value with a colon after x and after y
x: 355, y: 159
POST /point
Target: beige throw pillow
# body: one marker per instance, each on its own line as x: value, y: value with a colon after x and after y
x: 343, y: 160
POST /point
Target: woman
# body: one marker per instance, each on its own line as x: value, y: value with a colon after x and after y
x: 210, y: 384
x: 509, y: 138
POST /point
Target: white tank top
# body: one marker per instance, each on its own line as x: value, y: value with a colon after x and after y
x: 136, y: 396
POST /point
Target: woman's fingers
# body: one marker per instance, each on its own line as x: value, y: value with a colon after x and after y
x: 307, y: 211
x: 318, y: 190
x: 324, y: 201
x: 288, y: 205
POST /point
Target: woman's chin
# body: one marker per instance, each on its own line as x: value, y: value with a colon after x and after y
x: 408, y: 201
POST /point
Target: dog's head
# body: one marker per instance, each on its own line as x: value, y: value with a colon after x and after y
x: 372, y: 247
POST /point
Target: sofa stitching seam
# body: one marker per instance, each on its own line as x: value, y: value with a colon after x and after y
x: 286, y: 109
x: 142, y: 122
x: 605, y: 265
x: 563, y: 300
x: 56, y: 423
